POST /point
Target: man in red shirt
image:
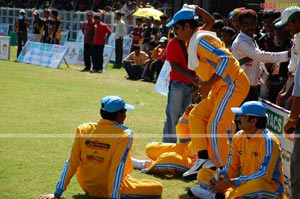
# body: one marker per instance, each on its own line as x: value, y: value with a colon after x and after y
x: 102, y: 32
x: 88, y: 29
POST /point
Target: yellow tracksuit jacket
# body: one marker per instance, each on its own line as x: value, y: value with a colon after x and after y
x: 211, y: 117
x: 255, y: 165
x: 101, y: 160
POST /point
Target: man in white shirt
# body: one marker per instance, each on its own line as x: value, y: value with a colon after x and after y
x: 119, y: 35
x: 290, y: 19
x: 247, y: 52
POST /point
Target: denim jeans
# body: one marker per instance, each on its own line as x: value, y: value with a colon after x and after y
x: 179, y: 97
x: 295, y: 164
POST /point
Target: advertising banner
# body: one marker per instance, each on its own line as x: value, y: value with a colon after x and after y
x: 276, y: 120
x: 4, y: 47
x: 42, y: 54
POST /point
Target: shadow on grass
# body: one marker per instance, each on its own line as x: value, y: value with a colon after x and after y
x: 168, y: 176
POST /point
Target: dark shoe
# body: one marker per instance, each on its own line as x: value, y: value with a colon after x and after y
x: 97, y: 71
x: 85, y: 70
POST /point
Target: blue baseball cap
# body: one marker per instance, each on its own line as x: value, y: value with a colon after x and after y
x: 254, y: 108
x: 113, y: 104
x: 183, y: 14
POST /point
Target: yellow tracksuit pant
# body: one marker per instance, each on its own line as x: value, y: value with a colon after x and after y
x: 209, y: 119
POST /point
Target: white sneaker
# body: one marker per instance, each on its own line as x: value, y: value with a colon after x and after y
x: 140, y: 164
x: 200, y: 163
x: 201, y: 193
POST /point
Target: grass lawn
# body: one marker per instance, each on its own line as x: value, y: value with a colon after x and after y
x: 39, y: 111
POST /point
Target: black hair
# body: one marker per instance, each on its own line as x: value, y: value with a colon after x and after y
x: 136, y: 47
x: 139, y: 19
x: 110, y: 116
x: 228, y: 29
x: 54, y: 12
x: 193, y: 23
x: 165, y: 17
x: 261, y: 121
x: 218, y: 24
x: 248, y: 13
x: 270, y: 14
x: 217, y: 15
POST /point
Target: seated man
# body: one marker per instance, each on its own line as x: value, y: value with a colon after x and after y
x: 254, y: 167
x: 172, y: 158
x: 100, y: 157
x: 134, y: 63
x: 154, y: 65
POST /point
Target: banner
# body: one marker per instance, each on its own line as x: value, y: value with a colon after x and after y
x: 4, y: 47
x: 276, y: 120
x: 4, y: 29
x: 42, y: 54
x: 75, y: 53
x: 163, y: 80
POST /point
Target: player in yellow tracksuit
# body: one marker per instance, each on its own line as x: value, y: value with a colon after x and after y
x: 172, y: 158
x: 100, y: 158
x: 222, y: 83
x: 254, y: 168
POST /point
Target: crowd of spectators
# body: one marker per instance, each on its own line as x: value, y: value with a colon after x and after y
x: 82, y: 5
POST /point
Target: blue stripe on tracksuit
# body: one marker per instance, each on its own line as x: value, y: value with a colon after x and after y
x: 120, y: 168
x: 264, y: 165
x: 60, y: 184
x: 221, y: 54
x: 218, y: 117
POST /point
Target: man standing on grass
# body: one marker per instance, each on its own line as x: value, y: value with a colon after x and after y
x: 88, y: 29
x: 100, y: 158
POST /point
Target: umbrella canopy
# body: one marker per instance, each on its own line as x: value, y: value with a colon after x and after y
x: 144, y: 12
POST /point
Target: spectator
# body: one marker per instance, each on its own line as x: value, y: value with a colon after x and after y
x: 266, y: 43
x: 21, y: 26
x: 290, y: 20
x: 217, y: 27
x: 222, y: 84
x: 227, y: 34
x: 45, y: 29
x: 163, y: 30
x: 254, y: 168
x: 54, y: 28
x: 136, y: 33
x: 88, y: 29
x: 279, y: 71
x: 154, y: 65
x: 294, y: 32
x: 148, y: 34
x: 37, y: 27
x: 103, y: 163
x: 102, y: 32
x: 120, y: 33
x: 134, y: 63
x: 245, y: 50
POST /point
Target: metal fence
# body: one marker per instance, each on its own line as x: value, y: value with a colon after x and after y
x: 71, y: 20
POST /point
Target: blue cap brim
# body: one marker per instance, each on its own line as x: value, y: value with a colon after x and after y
x: 237, y: 111
x: 170, y: 24
x: 129, y: 107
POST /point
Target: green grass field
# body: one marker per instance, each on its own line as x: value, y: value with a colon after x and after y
x: 39, y: 111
